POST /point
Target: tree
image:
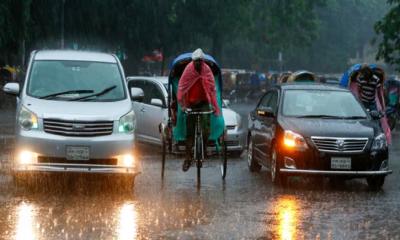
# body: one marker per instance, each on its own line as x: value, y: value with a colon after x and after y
x: 388, y: 27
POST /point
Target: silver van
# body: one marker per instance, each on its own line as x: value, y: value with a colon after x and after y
x: 74, y: 114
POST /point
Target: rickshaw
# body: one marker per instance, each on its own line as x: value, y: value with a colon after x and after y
x: 392, y: 97
x: 174, y: 133
x: 348, y: 80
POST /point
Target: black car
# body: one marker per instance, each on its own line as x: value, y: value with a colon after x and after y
x: 315, y: 129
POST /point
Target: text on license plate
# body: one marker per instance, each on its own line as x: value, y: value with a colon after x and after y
x: 77, y: 153
x: 340, y: 163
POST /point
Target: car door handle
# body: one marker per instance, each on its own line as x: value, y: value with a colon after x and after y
x: 143, y: 110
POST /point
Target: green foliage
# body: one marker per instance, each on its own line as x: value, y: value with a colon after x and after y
x: 388, y: 27
x: 313, y: 34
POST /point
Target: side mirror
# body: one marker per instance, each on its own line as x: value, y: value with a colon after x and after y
x: 265, y: 112
x: 376, y: 115
x: 137, y: 94
x: 156, y: 102
x: 11, y: 88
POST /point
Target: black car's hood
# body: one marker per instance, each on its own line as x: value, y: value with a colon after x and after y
x: 329, y: 127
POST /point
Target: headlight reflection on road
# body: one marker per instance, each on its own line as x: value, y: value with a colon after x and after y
x: 127, y: 228
x: 25, y: 228
x: 287, y: 218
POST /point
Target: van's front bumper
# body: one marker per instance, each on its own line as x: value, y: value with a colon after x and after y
x: 50, y: 153
x: 76, y: 168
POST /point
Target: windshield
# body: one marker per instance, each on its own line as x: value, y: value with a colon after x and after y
x: 308, y: 103
x: 70, y: 80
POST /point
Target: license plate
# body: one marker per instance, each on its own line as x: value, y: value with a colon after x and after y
x: 340, y: 163
x: 78, y: 153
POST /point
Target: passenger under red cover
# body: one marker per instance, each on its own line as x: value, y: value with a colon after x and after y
x: 195, y: 87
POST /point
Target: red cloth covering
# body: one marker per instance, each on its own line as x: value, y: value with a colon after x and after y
x: 191, y: 78
x: 196, y: 94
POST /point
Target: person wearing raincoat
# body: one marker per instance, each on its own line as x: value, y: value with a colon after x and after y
x: 197, y: 90
x: 355, y: 79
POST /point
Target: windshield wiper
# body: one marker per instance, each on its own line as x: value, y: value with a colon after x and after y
x: 66, y: 92
x: 106, y: 90
x: 320, y: 116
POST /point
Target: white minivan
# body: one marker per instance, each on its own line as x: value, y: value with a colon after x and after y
x: 74, y: 114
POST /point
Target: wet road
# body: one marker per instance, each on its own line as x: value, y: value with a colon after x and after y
x: 245, y: 206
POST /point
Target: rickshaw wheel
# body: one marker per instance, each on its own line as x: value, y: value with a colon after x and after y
x: 163, y: 157
x: 198, y: 175
x: 170, y: 147
x: 223, y: 158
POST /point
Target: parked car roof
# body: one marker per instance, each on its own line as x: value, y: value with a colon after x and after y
x: 74, y: 55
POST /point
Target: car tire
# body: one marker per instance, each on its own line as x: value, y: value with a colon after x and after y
x: 252, y: 163
x: 277, y: 177
x: 236, y: 154
x: 376, y: 182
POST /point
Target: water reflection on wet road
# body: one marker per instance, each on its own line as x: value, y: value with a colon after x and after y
x: 246, y: 206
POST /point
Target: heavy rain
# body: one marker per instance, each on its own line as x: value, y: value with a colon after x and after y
x: 207, y: 119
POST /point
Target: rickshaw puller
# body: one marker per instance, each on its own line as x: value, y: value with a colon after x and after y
x: 368, y: 85
x: 196, y: 90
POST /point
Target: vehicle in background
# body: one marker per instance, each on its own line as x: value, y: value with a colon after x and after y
x: 74, y: 114
x: 316, y: 130
x: 152, y: 113
x: 330, y: 79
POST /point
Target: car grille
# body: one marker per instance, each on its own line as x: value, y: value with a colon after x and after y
x: 232, y: 143
x: 78, y: 128
x: 109, y: 161
x: 230, y: 127
x: 345, y: 145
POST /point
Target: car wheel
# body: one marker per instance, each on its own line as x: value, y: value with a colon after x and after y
x: 253, y: 165
x: 237, y: 154
x: 376, y: 182
x: 277, y: 177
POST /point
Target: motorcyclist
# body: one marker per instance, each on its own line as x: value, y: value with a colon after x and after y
x: 196, y: 90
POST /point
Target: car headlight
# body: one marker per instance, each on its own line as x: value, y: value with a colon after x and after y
x: 127, y: 123
x: 26, y: 157
x: 379, y: 142
x: 127, y: 160
x: 293, y: 140
x: 27, y: 119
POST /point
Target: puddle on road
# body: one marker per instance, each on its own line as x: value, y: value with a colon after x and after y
x: 80, y: 215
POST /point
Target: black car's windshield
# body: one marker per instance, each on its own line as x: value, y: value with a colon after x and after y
x: 67, y: 80
x: 321, y: 104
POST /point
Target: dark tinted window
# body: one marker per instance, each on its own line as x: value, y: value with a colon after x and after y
x: 152, y: 91
x: 265, y: 100
x: 136, y: 84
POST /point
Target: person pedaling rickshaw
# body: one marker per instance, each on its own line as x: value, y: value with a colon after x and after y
x: 197, y: 93
x: 366, y: 83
